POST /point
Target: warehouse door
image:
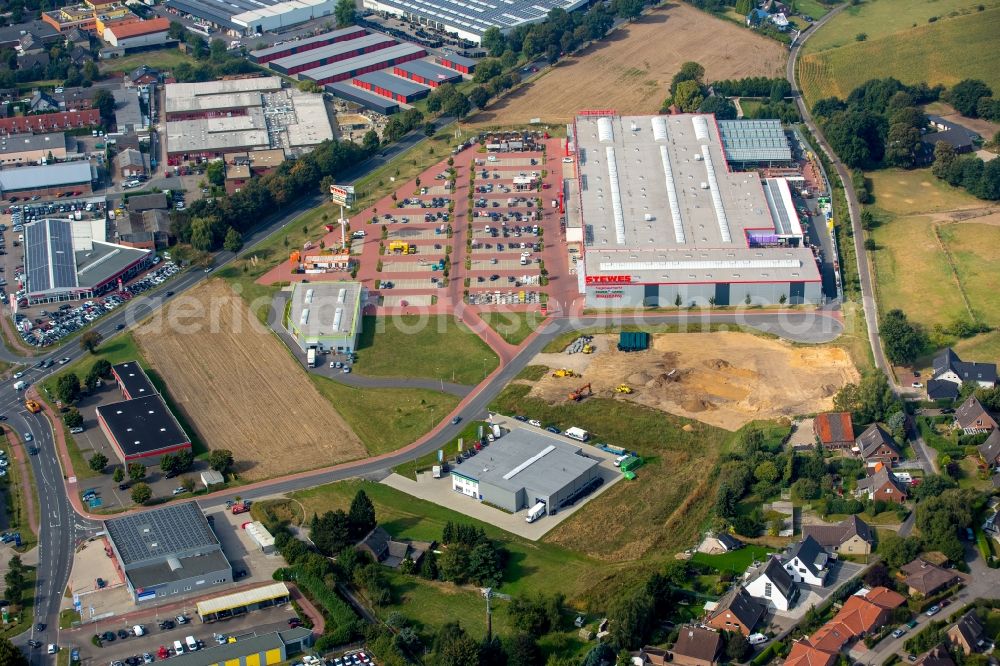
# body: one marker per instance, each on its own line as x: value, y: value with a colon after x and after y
x: 798, y: 293
x: 722, y: 293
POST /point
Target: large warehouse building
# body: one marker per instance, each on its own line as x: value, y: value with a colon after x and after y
x: 47, y: 180
x: 253, y: 17
x: 168, y: 551
x: 470, y: 20
x: 326, y: 316
x: 523, y: 468
x: 370, y: 62
x: 393, y: 87
x: 662, y: 217
x: 264, y: 56
x: 300, y: 62
x: 65, y: 260
x: 376, y: 103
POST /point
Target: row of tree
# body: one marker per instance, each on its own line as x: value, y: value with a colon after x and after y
x: 973, y: 99
x: 980, y: 179
x: 335, y: 531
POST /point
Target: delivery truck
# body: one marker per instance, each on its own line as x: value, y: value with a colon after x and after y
x: 311, y: 357
x: 536, y: 512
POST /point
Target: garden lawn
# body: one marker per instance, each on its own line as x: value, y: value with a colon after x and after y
x: 532, y: 567
x: 736, y: 561
x: 386, y: 419
x: 436, y: 347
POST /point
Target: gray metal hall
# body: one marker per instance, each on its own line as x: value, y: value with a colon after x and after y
x: 524, y: 467
x: 168, y: 551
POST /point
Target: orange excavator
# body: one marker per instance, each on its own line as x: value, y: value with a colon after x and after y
x: 581, y: 393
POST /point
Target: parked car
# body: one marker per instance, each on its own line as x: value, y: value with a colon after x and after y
x: 933, y: 610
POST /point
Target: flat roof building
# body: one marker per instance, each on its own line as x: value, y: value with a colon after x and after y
x: 525, y: 467
x: 266, y: 55
x: 426, y: 73
x: 132, y: 380
x: 458, y: 63
x: 371, y: 101
x: 370, y: 62
x: 256, y: 650
x: 395, y: 88
x: 63, y: 262
x: 326, y: 316
x: 662, y: 216
x: 241, y: 603
x: 48, y: 179
x: 470, y: 20
x: 324, y: 55
x: 17, y: 149
x: 138, y: 34
x: 168, y: 551
x: 752, y: 142
x: 142, y: 429
x: 253, y: 17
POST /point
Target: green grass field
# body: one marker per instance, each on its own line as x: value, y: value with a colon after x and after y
x: 17, y: 489
x: 880, y: 18
x: 513, y: 327
x: 386, y: 419
x: 943, y: 52
x: 975, y: 249
x: 736, y: 561
x: 435, y: 347
x: 917, y: 192
x: 162, y: 59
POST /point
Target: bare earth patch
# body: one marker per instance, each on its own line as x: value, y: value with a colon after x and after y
x: 725, y: 379
x: 240, y: 389
x: 631, y: 71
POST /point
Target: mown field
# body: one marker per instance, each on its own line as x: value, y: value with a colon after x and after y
x: 943, y: 52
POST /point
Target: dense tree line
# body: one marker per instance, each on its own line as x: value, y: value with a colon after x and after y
x: 561, y: 32
x: 902, y: 340
x: 335, y: 531
x: 215, y: 60
x: 469, y: 556
x: 981, y: 179
x: 754, y: 86
x: 973, y: 99
x: 868, y: 401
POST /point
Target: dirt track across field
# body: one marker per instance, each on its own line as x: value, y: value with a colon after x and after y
x: 240, y: 388
x: 631, y: 70
x: 723, y: 379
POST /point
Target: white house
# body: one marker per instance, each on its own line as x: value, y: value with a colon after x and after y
x: 807, y: 562
x: 771, y: 584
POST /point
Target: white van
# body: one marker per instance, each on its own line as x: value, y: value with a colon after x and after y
x: 756, y: 639
x: 139, y: 630
x: 20, y: 386
x: 192, y: 644
x: 178, y: 647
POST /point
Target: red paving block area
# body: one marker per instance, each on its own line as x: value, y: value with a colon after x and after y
x: 504, y: 268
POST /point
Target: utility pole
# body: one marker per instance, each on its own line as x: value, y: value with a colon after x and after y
x: 488, y: 593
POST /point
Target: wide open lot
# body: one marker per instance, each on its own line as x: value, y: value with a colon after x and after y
x: 240, y: 388
x: 725, y: 379
x: 631, y: 70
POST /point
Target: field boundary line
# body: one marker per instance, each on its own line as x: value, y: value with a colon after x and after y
x: 954, y: 269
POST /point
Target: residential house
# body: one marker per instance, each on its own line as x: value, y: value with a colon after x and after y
x: 651, y: 656
x: 875, y: 445
x: 771, y: 584
x: 950, y: 372
x: 697, y: 647
x: 387, y: 551
x: 780, y: 20
x: 851, y: 536
x: 967, y: 633
x: 936, y: 656
x: 926, y: 579
x: 882, y: 485
x: 989, y: 450
x: 130, y: 163
x: 716, y: 543
x: 831, y: 637
x: 42, y: 102
x: 143, y: 76
x: 10, y: 35
x: 862, y: 616
x: 29, y: 44
x: 736, y: 611
x: 972, y: 417
x: 883, y: 597
x: 29, y: 60
x: 807, y: 562
x: 756, y: 17
x: 79, y: 55
x: 804, y: 654
x: 962, y: 139
x: 77, y: 37
x: 834, y: 430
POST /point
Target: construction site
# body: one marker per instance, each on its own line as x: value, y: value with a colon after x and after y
x: 724, y: 379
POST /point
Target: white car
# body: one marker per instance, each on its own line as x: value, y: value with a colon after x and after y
x: 18, y: 375
x: 179, y: 490
x: 53, y: 648
x: 917, y: 385
x: 567, y: 160
x: 537, y: 424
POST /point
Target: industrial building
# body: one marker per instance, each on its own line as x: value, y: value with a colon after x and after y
x: 253, y: 17
x: 18, y: 149
x: 393, y: 87
x: 132, y: 380
x: 326, y: 316
x: 68, y: 260
x: 370, y: 62
x: 324, y: 55
x: 749, y: 143
x: 264, y: 56
x: 470, y: 20
x: 168, y: 551
x: 662, y: 217
x: 426, y: 73
x: 241, y: 603
x: 349, y: 93
x: 216, y: 118
x: 263, y: 650
x: 47, y: 180
x: 142, y: 429
x: 523, y: 468
x: 457, y: 63
x: 138, y: 34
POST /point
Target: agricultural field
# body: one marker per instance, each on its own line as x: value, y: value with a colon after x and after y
x: 934, y: 244
x: 943, y: 52
x: 240, y: 389
x: 722, y: 379
x: 631, y: 70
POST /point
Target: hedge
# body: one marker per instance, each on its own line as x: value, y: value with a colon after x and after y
x: 769, y: 653
x: 341, y: 620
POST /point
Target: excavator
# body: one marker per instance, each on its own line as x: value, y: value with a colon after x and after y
x: 623, y: 388
x: 588, y: 348
x: 565, y: 372
x: 581, y: 393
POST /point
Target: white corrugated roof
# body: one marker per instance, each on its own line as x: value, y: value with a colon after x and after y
x: 50, y: 175
x: 237, y: 599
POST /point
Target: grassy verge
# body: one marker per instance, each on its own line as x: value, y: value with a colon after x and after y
x: 25, y: 615
x: 67, y: 617
x: 386, y: 419
x: 469, y: 434
x: 532, y: 373
x: 437, y: 347
x: 17, y: 491
x: 513, y: 327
